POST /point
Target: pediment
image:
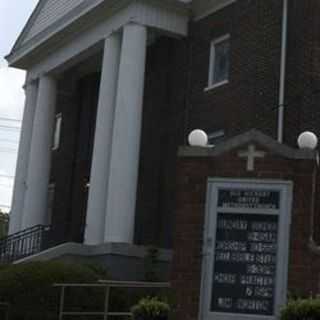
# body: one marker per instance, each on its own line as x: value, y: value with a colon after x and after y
x: 56, y: 23
x: 252, y: 137
x: 47, y: 13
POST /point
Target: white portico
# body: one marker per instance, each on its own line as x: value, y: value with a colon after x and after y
x: 48, y: 46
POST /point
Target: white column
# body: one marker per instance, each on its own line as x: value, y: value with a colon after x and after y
x: 95, y: 221
x: 35, y: 208
x: 31, y: 91
x: 126, y: 136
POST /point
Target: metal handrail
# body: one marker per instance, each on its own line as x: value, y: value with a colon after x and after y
x: 24, y: 243
x: 21, y: 233
x: 108, y: 285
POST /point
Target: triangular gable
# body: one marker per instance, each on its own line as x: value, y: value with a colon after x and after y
x: 46, y: 13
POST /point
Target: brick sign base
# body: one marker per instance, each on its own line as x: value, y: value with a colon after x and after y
x: 279, y: 162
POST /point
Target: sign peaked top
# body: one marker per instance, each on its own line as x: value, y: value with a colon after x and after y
x: 250, y: 137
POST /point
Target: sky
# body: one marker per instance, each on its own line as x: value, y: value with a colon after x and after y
x: 13, y: 16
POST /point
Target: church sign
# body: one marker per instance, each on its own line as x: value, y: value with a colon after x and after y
x: 246, y: 249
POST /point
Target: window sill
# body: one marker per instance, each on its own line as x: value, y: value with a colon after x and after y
x: 216, y: 85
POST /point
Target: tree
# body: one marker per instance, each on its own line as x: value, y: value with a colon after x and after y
x: 4, y: 222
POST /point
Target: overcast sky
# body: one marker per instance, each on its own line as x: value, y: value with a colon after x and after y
x: 13, y: 16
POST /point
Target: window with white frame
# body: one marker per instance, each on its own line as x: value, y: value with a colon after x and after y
x: 219, y: 61
x: 57, y: 132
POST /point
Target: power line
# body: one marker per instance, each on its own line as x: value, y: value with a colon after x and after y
x: 13, y: 151
x: 10, y: 148
x: 9, y: 119
x: 6, y: 186
x: 9, y: 141
x: 9, y: 127
x: 6, y: 176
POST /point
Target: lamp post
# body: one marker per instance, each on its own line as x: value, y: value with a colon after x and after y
x: 309, y: 141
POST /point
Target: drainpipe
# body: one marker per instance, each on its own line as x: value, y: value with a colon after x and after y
x: 283, y: 70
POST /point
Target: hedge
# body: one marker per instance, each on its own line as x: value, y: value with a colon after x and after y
x: 302, y: 309
x: 29, y: 289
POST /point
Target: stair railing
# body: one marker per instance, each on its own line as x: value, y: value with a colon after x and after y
x: 24, y: 243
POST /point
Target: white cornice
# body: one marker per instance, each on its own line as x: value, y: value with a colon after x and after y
x: 21, y: 46
x: 90, y: 17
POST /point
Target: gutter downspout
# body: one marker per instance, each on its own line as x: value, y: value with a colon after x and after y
x: 283, y: 70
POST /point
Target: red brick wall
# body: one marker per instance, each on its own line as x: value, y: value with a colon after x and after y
x: 304, y: 266
x: 250, y: 99
x: 303, y: 69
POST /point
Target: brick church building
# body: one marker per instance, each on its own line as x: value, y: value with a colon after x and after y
x: 113, y: 88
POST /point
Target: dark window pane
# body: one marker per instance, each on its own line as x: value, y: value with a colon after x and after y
x: 221, y: 61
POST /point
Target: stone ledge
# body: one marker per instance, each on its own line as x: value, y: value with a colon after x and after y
x: 106, y: 249
x: 251, y: 136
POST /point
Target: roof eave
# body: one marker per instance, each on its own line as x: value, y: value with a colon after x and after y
x: 21, y: 57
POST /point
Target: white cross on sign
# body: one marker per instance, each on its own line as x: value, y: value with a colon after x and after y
x: 251, y: 156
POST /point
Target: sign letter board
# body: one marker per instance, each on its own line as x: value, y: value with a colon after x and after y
x: 245, y: 264
x: 246, y: 230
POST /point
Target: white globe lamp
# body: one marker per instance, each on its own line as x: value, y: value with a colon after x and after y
x: 198, y: 138
x: 307, y: 140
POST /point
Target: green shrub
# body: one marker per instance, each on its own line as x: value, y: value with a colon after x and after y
x: 302, y: 309
x: 29, y: 289
x: 150, y: 309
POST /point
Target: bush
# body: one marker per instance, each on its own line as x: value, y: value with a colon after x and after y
x: 29, y: 289
x: 150, y: 309
x: 302, y: 309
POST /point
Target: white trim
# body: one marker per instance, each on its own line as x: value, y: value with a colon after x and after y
x: 216, y: 85
x: 57, y: 132
x: 167, y: 19
x: 214, y: 9
x: 214, y: 42
x: 216, y: 134
x: 20, y: 43
x: 285, y: 188
x: 85, y: 43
